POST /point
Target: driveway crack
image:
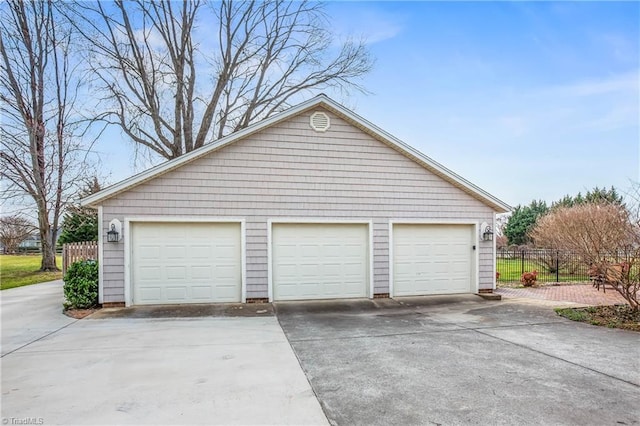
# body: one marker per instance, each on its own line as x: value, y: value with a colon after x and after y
x: 556, y: 357
x: 39, y: 338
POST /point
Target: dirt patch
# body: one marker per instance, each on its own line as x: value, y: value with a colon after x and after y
x: 616, y: 316
x: 79, y: 313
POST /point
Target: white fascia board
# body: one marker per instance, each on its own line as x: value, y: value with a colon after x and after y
x: 320, y: 100
x: 426, y: 160
x: 151, y: 173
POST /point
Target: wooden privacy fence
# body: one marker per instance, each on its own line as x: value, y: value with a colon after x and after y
x: 73, y: 252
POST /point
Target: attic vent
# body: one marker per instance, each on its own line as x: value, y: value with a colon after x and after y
x: 320, y: 122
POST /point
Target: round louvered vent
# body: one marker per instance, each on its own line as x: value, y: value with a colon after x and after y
x: 320, y: 122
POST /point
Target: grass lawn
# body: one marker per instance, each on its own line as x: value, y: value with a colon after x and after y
x: 511, y: 270
x: 16, y: 271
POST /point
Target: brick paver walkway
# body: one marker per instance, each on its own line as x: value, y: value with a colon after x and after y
x: 583, y: 294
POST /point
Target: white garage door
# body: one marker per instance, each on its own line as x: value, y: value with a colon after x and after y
x: 185, y: 262
x: 432, y: 259
x: 319, y: 261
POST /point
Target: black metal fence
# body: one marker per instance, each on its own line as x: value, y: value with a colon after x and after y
x: 552, y: 265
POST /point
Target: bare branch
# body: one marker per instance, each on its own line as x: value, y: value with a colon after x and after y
x: 605, y: 235
x: 14, y: 230
x: 172, y: 90
x: 42, y: 155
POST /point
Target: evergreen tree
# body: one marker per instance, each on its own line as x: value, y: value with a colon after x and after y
x: 596, y: 195
x: 604, y: 195
x: 522, y: 221
x: 81, y: 223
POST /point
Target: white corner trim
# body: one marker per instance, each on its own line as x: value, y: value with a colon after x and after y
x: 371, y: 262
x: 243, y: 256
x: 100, y: 258
x: 184, y: 219
x: 433, y: 222
x: 127, y: 263
x: 493, y: 255
x: 269, y: 262
x: 476, y: 259
x: 390, y: 239
x: 318, y: 220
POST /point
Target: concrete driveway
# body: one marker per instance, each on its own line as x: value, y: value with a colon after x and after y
x: 208, y: 370
x: 462, y: 360
x: 31, y: 313
x: 440, y: 360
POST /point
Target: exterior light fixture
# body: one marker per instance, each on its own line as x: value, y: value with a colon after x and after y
x: 487, y: 233
x: 113, y: 236
x: 114, y: 232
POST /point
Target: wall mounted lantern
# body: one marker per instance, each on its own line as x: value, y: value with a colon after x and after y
x: 114, y: 232
x: 487, y: 232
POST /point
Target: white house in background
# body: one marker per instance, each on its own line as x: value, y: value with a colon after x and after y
x: 32, y: 242
x: 312, y: 203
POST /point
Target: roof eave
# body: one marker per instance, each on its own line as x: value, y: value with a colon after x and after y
x: 498, y: 205
x: 321, y: 100
x: 126, y: 184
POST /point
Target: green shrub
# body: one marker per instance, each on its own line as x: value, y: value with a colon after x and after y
x: 81, y: 285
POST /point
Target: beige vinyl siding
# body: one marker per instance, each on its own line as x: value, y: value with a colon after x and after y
x: 290, y: 171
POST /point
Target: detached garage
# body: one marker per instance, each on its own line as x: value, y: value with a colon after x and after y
x: 312, y: 203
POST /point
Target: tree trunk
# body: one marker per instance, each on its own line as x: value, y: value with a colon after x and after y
x: 44, y: 157
x: 48, y: 249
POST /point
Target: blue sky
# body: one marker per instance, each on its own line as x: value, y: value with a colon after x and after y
x: 527, y: 100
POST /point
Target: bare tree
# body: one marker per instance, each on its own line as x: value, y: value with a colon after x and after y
x: 501, y: 239
x: 41, y: 157
x: 176, y: 75
x: 14, y: 230
x: 605, y: 235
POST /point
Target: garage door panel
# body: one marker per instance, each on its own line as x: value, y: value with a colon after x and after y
x: 148, y: 252
x: 201, y: 293
x: 148, y: 273
x: 186, y: 262
x: 330, y: 250
x: 202, y: 252
x: 175, y: 252
x: 226, y: 293
x: 432, y: 259
x: 319, y: 261
x: 150, y: 293
x: 201, y: 272
x: 353, y: 270
x: 223, y: 272
x: 176, y: 293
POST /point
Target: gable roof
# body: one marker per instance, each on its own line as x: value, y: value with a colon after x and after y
x: 318, y: 101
